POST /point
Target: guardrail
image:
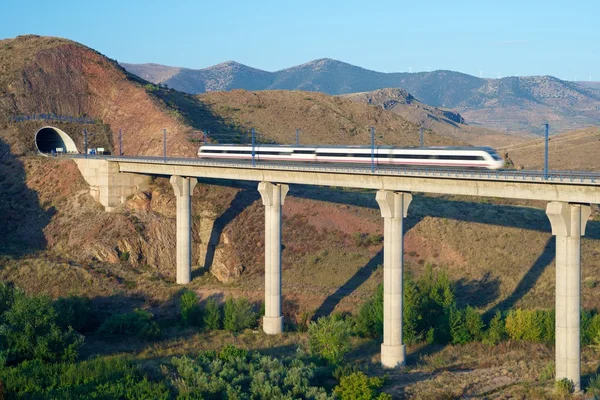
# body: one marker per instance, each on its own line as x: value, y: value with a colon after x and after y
x: 589, y: 178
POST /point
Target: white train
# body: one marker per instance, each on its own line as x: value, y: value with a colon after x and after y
x: 434, y: 157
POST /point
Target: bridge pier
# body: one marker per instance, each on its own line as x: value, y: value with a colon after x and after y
x: 394, y: 206
x: 184, y: 188
x: 273, y: 197
x: 568, y: 225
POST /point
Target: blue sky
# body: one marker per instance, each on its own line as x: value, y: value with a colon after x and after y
x: 491, y: 38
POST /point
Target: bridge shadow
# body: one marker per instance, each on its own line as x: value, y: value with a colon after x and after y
x: 360, y: 277
x: 23, y: 217
x: 478, y: 293
x: 241, y: 201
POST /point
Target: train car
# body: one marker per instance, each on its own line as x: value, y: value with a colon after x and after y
x: 432, y: 157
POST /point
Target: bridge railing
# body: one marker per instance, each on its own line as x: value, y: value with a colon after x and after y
x: 508, y: 175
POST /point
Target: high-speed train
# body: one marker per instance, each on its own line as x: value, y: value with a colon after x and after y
x: 438, y: 157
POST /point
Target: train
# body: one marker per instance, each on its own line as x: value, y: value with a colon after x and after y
x: 430, y: 157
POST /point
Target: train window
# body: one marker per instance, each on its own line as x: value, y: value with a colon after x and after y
x: 304, y: 152
x: 410, y: 156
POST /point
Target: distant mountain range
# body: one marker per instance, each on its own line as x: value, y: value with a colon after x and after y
x: 506, y: 104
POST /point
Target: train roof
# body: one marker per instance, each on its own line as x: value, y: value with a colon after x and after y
x: 287, y: 146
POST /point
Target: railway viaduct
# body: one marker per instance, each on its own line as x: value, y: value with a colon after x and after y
x: 569, y: 197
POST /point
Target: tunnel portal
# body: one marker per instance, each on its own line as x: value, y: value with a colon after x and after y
x: 49, y: 139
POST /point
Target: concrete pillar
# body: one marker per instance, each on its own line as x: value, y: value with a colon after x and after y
x: 394, y: 206
x: 273, y: 197
x: 184, y: 188
x: 568, y: 225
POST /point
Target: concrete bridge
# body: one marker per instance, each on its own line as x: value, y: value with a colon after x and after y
x: 569, y: 196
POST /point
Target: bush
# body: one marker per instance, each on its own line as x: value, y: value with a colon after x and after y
x: 212, y: 315
x: 458, y: 327
x: 7, y: 297
x: 530, y: 325
x: 593, y: 387
x: 474, y: 324
x: 564, y: 387
x: 496, y: 332
x: 253, y: 376
x: 369, y: 321
x: 239, y: 315
x: 30, y: 331
x: 189, y: 309
x: 358, y: 386
x: 73, y: 311
x: 591, y: 330
x: 138, y: 323
x: 426, y: 310
x: 94, y: 379
x: 329, y: 338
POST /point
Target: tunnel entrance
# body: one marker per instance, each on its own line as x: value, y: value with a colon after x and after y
x: 49, y: 139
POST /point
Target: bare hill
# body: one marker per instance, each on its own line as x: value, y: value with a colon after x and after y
x: 322, y: 119
x: 576, y: 150
x: 45, y: 75
x: 445, y: 122
x: 507, y: 104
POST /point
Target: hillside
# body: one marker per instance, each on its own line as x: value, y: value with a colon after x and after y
x: 56, y: 240
x: 507, y: 104
x: 589, y: 84
x: 322, y: 119
x: 576, y: 150
x: 45, y: 75
x: 442, y: 121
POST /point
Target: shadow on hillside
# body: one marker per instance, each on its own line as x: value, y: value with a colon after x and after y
x: 200, y: 116
x: 241, y: 201
x: 23, y: 218
x: 475, y: 293
x: 350, y: 286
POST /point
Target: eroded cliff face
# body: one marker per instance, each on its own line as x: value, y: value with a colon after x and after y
x: 47, y: 207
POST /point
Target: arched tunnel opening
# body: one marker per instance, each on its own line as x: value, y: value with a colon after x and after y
x: 49, y: 139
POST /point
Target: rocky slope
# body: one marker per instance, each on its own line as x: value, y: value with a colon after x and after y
x: 446, y: 122
x: 511, y: 103
x: 500, y: 255
x: 43, y: 75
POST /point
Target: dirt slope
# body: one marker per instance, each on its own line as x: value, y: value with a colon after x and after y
x: 576, y: 150
x: 322, y: 119
x: 42, y: 75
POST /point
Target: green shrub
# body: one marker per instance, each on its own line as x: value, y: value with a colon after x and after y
x: 496, y: 333
x: 190, y: 309
x: 369, y: 321
x: 239, y: 315
x: 30, y: 331
x: 329, y: 338
x: 591, y: 330
x: 254, y: 376
x: 458, y: 327
x: 564, y: 387
x: 593, y: 387
x: 73, y: 311
x: 426, y: 310
x: 138, y: 323
x: 7, y: 297
x: 474, y: 324
x: 230, y: 353
x: 530, y: 325
x: 358, y: 386
x: 212, y: 315
x: 93, y: 379
x: 124, y: 256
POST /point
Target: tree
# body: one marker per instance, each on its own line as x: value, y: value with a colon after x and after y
x: 30, y: 331
x: 239, y: 315
x: 189, y: 309
x: 212, y: 315
x: 329, y: 338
